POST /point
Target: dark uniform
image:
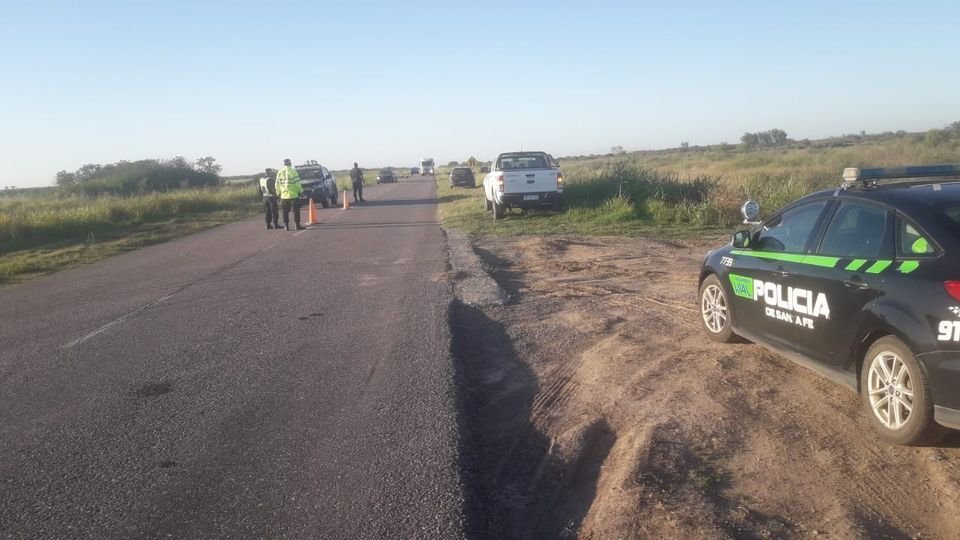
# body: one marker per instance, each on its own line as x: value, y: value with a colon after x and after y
x: 356, y: 174
x: 268, y: 190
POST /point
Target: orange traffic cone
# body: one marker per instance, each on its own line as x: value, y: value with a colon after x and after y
x: 346, y: 201
x: 311, y: 213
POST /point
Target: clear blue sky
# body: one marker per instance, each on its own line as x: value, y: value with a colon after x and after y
x: 385, y: 83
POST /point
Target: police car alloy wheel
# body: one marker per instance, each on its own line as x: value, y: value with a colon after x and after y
x: 897, y: 395
x: 715, y: 310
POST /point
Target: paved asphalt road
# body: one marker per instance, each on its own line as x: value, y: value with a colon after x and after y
x: 238, y: 383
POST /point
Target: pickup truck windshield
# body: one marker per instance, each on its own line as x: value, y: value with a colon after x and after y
x: 528, y: 161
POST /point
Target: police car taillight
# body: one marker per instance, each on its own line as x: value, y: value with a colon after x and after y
x: 953, y: 289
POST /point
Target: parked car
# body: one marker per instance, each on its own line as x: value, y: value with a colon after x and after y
x: 414, y: 170
x: 386, y: 176
x: 523, y: 180
x: 861, y: 284
x: 462, y: 176
x: 318, y: 183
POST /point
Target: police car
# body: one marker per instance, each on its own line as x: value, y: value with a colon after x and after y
x: 861, y: 284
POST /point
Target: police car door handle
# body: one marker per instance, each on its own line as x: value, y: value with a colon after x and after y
x: 780, y: 272
x: 856, y: 283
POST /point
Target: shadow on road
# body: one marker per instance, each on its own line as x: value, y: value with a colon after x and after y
x: 343, y: 226
x: 410, y: 202
x: 516, y: 486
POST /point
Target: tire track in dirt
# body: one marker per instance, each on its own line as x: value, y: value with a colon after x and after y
x: 699, y: 440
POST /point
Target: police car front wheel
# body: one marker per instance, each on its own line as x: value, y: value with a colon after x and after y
x: 715, y: 310
x: 896, y: 394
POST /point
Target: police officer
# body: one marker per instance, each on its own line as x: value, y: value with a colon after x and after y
x: 268, y: 189
x: 356, y: 174
x: 289, y: 189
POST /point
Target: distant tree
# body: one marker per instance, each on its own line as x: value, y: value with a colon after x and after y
x: 617, y: 150
x: 749, y: 140
x: 178, y: 162
x: 471, y: 162
x: 685, y: 145
x: 65, y: 178
x: 778, y: 137
x: 207, y: 165
x: 954, y: 128
x: 452, y: 164
x: 87, y: 172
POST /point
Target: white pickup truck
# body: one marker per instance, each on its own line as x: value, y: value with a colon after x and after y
x: 523, y: 180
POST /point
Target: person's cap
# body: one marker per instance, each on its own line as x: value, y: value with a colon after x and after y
x: 287, y: 161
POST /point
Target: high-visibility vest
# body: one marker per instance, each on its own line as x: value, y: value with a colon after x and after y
x: 268, y: 187
x: 288, y: 183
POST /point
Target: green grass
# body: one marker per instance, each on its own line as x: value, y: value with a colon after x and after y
x: 463, y: 209
x: 684, y: 192
x: 41, y: 234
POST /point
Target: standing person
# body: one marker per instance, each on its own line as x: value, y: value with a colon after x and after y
x: 268, y: 190
x: 289, y: 189
x: 356, y: 174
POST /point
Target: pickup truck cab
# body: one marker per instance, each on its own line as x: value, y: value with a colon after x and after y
x: 523, y: 180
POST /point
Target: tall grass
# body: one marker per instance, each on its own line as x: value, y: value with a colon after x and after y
x: 27, y: 222
x: 694, y: 188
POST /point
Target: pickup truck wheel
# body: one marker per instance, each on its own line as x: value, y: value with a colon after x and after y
x: 497, y: 211
x: 896, y: 394
x: 323, y: 202
x: 487, y: 205
x: 333, y: 200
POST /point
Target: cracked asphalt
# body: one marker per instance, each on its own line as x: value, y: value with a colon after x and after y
x: 239, y: 383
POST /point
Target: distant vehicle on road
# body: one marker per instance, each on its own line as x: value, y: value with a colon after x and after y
x: 414, y: 170
x: 426, y: 166
x: 318, y: 183
x: 463, y: 177
x: 386, y: 176
x: 523, y: 180
x: 859, y: 284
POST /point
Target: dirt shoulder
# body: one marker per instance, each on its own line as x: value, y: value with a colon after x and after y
x: 595, y: 407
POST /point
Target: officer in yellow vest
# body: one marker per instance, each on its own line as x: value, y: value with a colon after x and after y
x: 268, y: 191
x: 289, y: 189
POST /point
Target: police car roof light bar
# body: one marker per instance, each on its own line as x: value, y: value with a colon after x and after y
x: 852, y: 175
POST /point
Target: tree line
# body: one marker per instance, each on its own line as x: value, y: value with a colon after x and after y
x: 768, y: 138
x: 143, y: 176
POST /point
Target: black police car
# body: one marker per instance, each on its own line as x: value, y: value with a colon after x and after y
x: 861, y: 284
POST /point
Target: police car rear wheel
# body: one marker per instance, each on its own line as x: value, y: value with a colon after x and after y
x: 896, y: 394
x: 714, y: 311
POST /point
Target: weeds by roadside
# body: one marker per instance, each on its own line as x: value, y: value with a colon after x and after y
x: 40, y: 234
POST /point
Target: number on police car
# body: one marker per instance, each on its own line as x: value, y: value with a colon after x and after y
x: 949, y: 331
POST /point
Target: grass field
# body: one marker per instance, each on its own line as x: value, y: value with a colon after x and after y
x: 681, y: 192
x: 43, y: 233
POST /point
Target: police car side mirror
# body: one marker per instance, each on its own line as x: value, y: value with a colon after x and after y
x: 750, y: 211
x: 741, y: 239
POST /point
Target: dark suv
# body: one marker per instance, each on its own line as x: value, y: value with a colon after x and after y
x: 318, y: 183
x: 386, y: 176
x: 861, y: 284
x: 462, y: 176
